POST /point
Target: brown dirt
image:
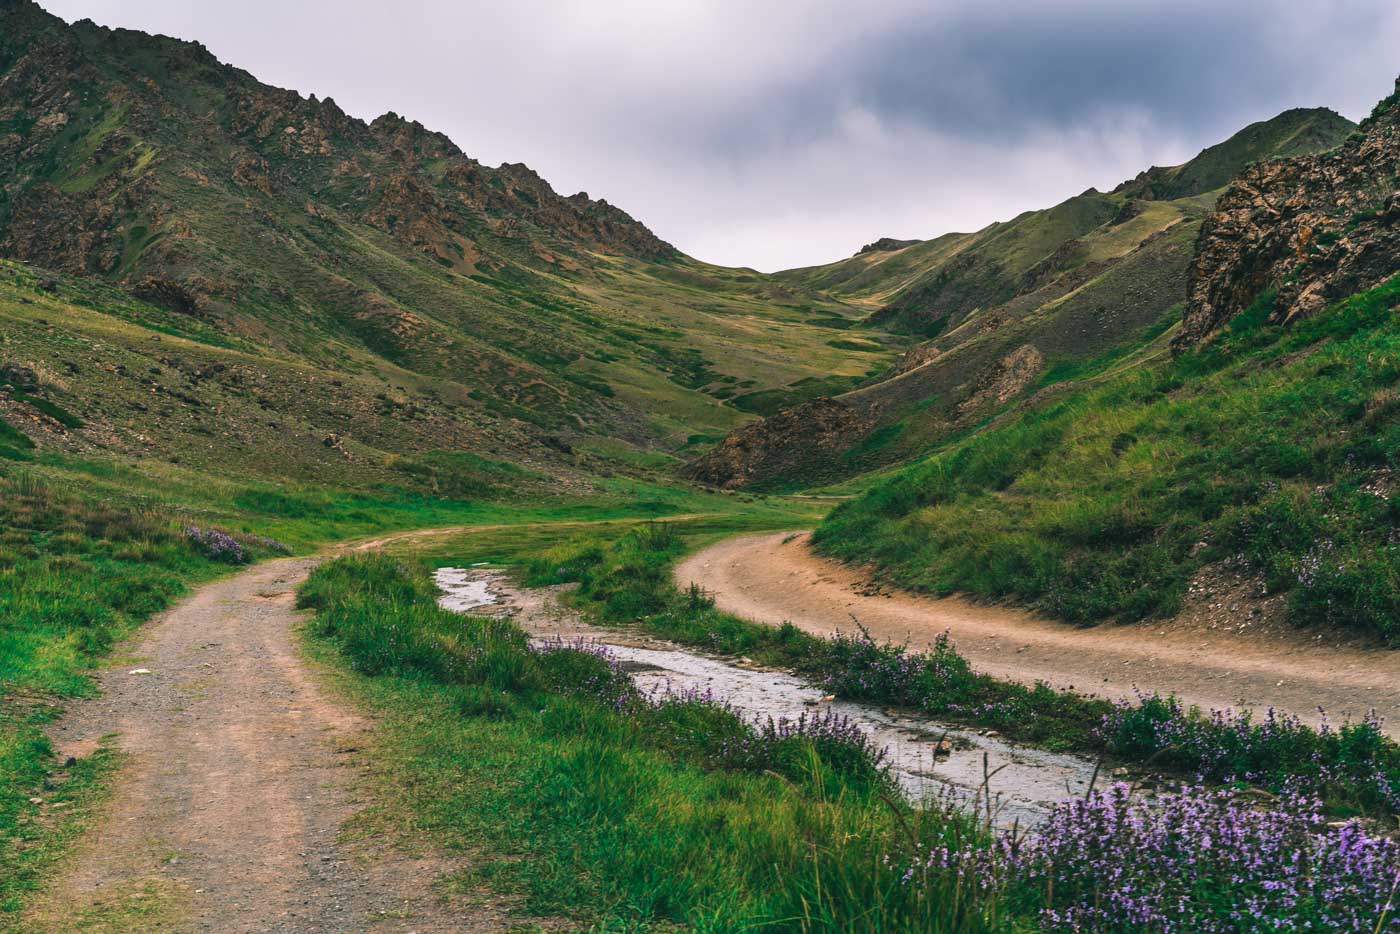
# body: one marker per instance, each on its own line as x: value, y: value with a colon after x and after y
x: 238, y: 773
x: 775, y: 578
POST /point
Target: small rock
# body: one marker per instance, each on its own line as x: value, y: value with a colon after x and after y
x: 19, y: 376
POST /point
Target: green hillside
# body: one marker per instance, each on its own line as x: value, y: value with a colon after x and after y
x: 373, y: 270
x: 1008, y: 310
x: 1270, y: 450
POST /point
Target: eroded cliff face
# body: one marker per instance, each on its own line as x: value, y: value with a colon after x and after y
x: 1316, y: 228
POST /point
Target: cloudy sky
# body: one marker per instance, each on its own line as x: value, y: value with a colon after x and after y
x: 776, y: 133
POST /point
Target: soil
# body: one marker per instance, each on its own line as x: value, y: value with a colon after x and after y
x: 238, y: 774
x: 1217, y: 655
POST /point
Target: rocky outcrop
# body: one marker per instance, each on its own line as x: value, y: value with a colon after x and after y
x: 781, y: 444
x: 1316, y: 228
x: 1002, y: 382
x: 886, y: 245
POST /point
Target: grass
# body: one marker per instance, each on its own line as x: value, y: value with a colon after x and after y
x: 76, y: 576
x: 576, y: 798
x: 1264, y: 448
x: 580, y: 800
x: 89, y: 549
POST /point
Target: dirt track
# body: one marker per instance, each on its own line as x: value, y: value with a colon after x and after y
x: 238, y: 776
x: 774, y: 578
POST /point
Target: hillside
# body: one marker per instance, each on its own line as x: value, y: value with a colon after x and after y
x: 390, y: 291
x: 1010, y: 309
x: 1259, y: 461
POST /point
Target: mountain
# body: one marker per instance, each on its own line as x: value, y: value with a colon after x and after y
x: 149, y: 192
x: 1243, y: 477
x: 1007, y: 311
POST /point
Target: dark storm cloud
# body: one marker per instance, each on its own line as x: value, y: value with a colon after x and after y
x: 787, y: 132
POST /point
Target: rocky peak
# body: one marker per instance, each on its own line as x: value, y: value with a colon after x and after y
x: 152, y: 98
x: 886, y: 245
x: 1316, y: 228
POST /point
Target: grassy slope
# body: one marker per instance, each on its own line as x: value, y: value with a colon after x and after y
x: 1272, y: 447
x: 1043, y: 294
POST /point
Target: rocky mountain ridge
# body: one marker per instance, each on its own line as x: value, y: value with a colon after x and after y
x: 373, y: 266
x: 104, y: 127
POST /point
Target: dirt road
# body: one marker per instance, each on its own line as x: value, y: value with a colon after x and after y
x: 773, y: 578
x: 239, y: 774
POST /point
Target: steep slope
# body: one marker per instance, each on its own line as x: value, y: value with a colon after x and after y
x: 248, y: 216
x: 1012, y: 309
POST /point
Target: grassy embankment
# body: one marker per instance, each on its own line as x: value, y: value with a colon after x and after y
x: 1272, y: 449
x: 582, y: 799
x: 91, y: 548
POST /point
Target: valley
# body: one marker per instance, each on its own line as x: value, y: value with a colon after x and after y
x: 1102, y: 494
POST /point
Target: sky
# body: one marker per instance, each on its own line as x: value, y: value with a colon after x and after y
x: 781, y: 133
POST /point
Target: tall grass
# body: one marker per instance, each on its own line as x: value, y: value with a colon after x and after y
x: 1270, y: 447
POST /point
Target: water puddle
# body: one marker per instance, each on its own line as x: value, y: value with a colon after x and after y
x: 929, y: 759
x: 464, y: 589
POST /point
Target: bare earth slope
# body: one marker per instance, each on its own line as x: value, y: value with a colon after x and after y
x: 236, y: 784
x: 775, y: 578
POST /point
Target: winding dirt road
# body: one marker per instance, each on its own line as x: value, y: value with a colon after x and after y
x: 776, y: 578
x: 237, y: 778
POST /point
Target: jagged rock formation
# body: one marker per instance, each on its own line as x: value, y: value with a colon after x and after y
x: 885, y: 245
x: 1316, y: 228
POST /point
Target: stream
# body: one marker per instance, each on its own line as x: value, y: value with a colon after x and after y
x: 1024, y: 782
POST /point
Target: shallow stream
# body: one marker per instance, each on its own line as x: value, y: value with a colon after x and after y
x: 1024, y: 782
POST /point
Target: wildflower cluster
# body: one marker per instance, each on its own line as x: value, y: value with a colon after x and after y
x: 1200, y: 860
x: 585, y: 668
x: 941, y: 682
x: 781, y: 745
x: 265, y: 543
x: 1355, y: 762
x: 858, y: 666
x: 216, y: 544
x: 693, y: 722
